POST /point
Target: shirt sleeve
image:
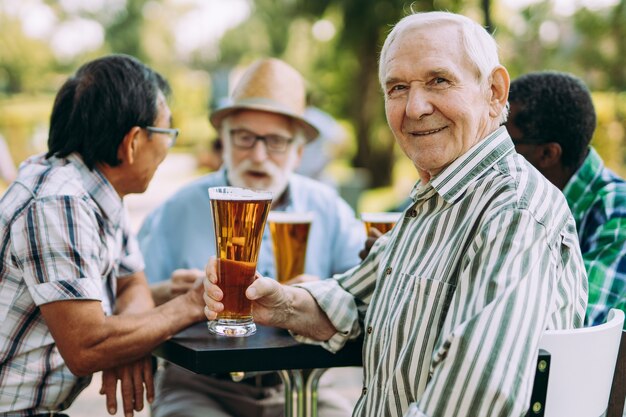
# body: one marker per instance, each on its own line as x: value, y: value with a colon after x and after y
x: 58, y: 243
x: 605, y: 261
x: 345, y: 298
x: 515, y: 279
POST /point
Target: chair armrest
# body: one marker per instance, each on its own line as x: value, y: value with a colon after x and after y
x: 540, y: 386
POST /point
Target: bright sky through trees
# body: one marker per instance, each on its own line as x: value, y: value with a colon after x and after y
x: 200, y: 24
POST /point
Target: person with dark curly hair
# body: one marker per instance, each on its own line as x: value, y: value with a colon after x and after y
x: 551, y: 122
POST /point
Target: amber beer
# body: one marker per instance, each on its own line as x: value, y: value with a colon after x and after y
x: 239, y: 217
x: 290, y: 233
x: 383, y: 221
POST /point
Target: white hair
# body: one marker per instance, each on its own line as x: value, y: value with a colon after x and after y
x: 480, y: 47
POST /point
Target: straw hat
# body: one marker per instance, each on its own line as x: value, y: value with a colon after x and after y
x: 269, y: 85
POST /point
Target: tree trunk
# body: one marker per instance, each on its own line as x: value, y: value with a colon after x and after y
x: 373, y: 153
x: 486, y: 4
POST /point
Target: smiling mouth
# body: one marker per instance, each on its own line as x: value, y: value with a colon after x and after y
x: 427, y: 132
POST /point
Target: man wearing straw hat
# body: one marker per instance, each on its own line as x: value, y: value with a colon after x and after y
x: 263, y: 132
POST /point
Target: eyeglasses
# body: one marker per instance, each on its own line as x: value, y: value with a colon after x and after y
x: 172, y: 134
x: 245, y: 139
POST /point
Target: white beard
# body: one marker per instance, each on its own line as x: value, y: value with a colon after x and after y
x: 276, y: 179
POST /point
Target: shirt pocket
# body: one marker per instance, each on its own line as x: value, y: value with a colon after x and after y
x: 429, y: 309
x: 431, y: 296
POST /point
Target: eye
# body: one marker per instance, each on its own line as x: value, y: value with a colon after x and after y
x: 246, y: 137
x: 275, y: 139
x: 440, y: 82
x: 396, y: 89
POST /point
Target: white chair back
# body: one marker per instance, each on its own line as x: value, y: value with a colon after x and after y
x: 582, y: 362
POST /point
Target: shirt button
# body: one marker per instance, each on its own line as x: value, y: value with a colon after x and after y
x: 364, y: 391
x: 388, y: 271
x: 369, y: 330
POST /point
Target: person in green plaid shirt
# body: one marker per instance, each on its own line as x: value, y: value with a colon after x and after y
x: 551, y: 123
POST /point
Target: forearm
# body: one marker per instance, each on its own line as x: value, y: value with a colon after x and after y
x: 339, y: 307
x: 89, y: 341
x: 131, y: 336
x: 133, y: 295
x: 302, y: 315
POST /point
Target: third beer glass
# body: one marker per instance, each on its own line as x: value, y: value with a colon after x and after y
x: 383, y: 221
x: 290, y: 232
x: 239, y: 217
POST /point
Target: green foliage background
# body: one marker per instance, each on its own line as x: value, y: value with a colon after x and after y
x: 341, y: 71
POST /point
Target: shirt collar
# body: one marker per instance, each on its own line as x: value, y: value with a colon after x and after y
x: 453, y: 180
x: 587, y: 172
x: 100, y: 189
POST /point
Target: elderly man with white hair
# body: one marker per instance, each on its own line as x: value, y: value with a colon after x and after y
x: 453, y: 300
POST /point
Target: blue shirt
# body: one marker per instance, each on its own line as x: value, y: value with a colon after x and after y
x: 179, y: 233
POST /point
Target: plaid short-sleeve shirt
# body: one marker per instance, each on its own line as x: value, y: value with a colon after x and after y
x: 64, y: 235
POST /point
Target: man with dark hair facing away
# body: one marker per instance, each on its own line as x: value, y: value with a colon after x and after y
x: 73, y: 296
x: 551, y: 123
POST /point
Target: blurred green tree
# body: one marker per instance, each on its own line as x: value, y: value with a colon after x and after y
x: 335, y: 44
x: 124, y: 32
x: 22, y: 59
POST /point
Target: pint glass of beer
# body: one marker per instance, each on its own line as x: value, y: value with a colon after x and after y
x: 383, y: 221
x: 290, y: 233
x: 239, y: 217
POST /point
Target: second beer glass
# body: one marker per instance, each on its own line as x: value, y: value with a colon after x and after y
x: 290, y: 233
x: 383, y: 221
x: 239, y: 217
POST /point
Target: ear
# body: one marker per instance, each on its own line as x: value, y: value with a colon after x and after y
x: 126, y: 152
x: 299, y: 152
x: 549, y: 155
x: 499, y: 81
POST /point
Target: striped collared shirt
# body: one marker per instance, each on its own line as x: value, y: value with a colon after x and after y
x: 453, y: 300
x: 597, y: 198
x: 64, y: 235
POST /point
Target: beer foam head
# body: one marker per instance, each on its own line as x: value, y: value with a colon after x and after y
x: 238, y: 194
x: 382, y: 217
x: 290, y: 217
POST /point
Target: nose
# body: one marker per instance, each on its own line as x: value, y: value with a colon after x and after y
x: 418, y: 104
x: 259, y: 151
